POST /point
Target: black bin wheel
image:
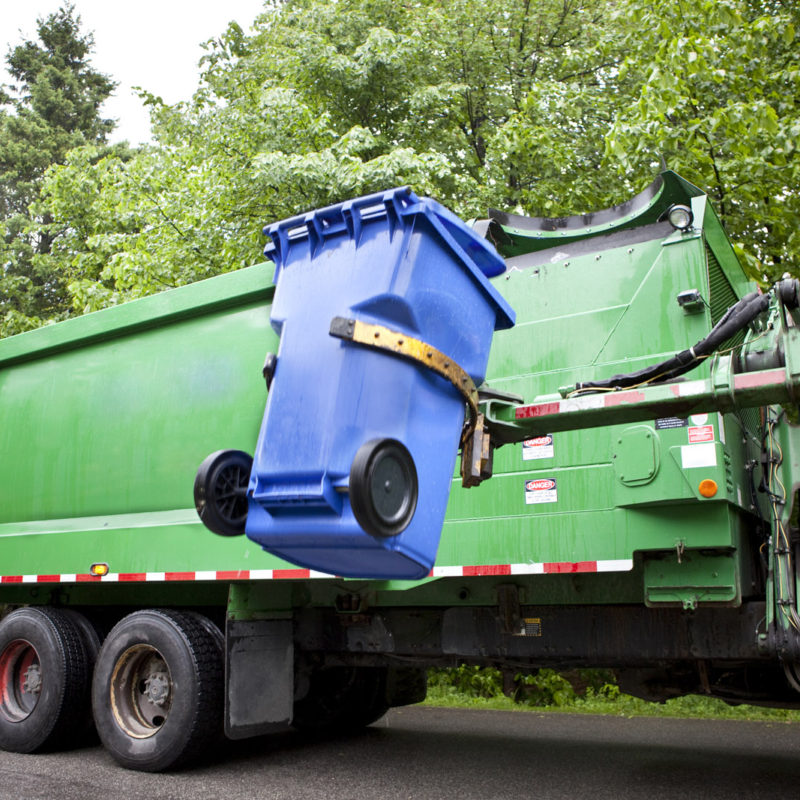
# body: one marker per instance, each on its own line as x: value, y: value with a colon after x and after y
x: 383, y: 487
x: 220, y: 491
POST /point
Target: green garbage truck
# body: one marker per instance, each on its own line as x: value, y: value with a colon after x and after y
x: 626, y: 495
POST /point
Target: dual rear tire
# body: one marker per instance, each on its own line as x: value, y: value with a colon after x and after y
x: 45, y: 672
x: 342, y: 700
x: 157, y: 692
x: 155, y: 700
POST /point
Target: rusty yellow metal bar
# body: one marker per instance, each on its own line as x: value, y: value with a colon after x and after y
x: 475, y: 445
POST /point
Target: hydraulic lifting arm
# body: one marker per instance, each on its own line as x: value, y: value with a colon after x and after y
x: 765, y: 370
x: 762, y: 372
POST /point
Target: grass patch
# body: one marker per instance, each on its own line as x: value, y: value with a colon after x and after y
x: 596, y: 693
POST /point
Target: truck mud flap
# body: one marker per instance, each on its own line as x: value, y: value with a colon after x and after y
x: 259, y: 669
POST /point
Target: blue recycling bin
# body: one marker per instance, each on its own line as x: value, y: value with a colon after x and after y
x: 357, y: 447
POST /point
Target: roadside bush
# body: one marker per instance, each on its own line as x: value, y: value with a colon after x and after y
x: 467, y: 680
x: 543, y: 687
x: 593, y: 691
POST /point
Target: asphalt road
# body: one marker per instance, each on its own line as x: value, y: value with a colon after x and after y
x: 448, y: 753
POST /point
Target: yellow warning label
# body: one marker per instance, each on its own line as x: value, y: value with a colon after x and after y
x: 533, y: 626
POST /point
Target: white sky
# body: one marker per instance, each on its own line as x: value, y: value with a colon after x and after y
x: 154, y: 44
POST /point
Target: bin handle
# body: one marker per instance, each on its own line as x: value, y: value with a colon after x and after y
x: 474, y: 438
x: 382, y: 338
x: 349, y: 215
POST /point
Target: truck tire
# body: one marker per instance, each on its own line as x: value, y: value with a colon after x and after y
x: 211, y: 627
x: 91, y: 636
x: 44, y: 680
x: 406, y: 686
x: 157, y: 692
x: 341, y: 700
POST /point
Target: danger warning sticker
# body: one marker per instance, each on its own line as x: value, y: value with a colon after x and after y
x: 701, y: 433
x: 538, y: 447
x: 541, y: 490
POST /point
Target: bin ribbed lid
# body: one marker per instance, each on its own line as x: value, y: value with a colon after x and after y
x: 399, y: 206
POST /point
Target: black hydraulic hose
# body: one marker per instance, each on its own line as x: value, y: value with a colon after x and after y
x: 736, y: 318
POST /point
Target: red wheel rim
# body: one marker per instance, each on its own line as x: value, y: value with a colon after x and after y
x: 20, y: 680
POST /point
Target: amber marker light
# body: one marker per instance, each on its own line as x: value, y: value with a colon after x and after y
x: 707, y: 488
x: 98, y: 570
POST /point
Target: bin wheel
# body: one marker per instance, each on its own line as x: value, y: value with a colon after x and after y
x: 383, y: 487
x: 44, y: 680
x: 157, y: 693
x: 220, y: 491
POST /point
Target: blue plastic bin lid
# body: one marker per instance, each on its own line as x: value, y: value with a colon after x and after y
x: 476, y: 253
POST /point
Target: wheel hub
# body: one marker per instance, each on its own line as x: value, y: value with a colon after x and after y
x: 141, y: 691
x: 32, y: 683
x: 157, y: 688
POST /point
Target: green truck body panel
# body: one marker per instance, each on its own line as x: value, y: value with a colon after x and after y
x: 105, y: 418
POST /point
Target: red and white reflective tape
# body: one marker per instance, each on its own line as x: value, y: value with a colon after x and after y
x: 156, y: 577
x: 687, y: 389
x: 551, y: 568
x: 565, y: 567
x: 589, y: 401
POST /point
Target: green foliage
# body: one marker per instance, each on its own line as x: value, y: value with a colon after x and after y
x: 711, y: 87
x: 545, y: 687
x: 470, y: 681
x: 589, y: 691
x: 548, y: 107
x: 51, y: 108
x: 323, y: 102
